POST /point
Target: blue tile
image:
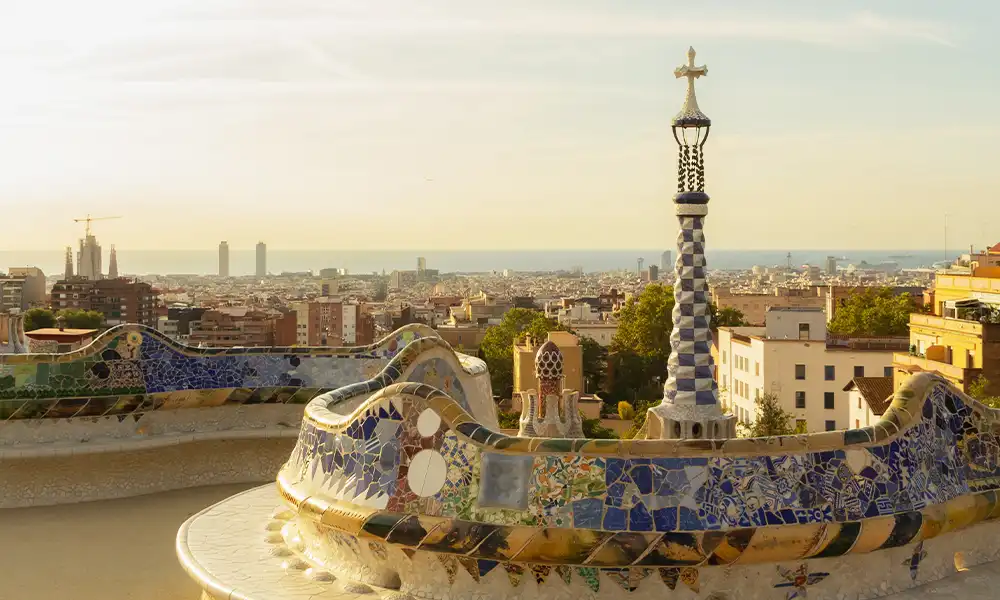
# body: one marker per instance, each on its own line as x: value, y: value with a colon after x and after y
x: 614, y: 519
x: 688, y: 519
x: 665, y: 519
x: 640, y: 519
x: 587, y: 513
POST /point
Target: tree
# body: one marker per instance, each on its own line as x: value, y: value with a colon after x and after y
x: 726, y: 317
x: 875, y: 311
x: 381, y: 291
x: 771, y: 419
x: 497, y: 347
x: 593, y: 429
x: 595, y: 363
x: 38, y: 318
x: 978, y: 390
x: 645, y: 323
x: 508, y: 419
x: 81, y: 319
x: 625, y: 411
x: 641, y: 345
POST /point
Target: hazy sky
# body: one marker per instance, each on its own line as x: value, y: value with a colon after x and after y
x: 495, y: 124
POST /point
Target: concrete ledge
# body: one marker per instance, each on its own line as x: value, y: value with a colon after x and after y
x: 69, y: 475
x: 65, y: 448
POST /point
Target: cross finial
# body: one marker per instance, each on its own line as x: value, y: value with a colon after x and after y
x: 689, y: 70
x: 691, y: 115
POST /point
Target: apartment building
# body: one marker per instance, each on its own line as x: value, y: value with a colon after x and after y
x: 227, y: 327
x: 829, y: 298
x: 794, y: 358
x: 961, y: 340
x: 332, y: 321
x: 119, y: 300
x: 22, y: 288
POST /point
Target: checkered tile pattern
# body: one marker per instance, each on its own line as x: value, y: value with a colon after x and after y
x: 690, y: 369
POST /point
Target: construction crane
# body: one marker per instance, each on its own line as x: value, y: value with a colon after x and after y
x: 88, y: 220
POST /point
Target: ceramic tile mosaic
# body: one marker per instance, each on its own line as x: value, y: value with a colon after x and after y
x: 132, y: 369
x: 599, y: 503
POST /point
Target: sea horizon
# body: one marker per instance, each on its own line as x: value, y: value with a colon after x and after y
x: 243, y: 261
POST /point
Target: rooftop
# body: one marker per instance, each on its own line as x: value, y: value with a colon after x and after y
x: 877, y: 391
x: 66, y: 333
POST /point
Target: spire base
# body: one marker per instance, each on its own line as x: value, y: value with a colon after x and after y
x: 670, y: 421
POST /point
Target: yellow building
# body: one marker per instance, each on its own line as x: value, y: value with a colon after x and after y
x: 953, y: 342
x: 524, y: 362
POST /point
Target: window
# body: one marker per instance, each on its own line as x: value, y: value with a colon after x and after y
x: 831, y: 425
x: 756, y: 394
x: 723, y: 357
x: 803, y: 331
x: 800, y: 371
x: 800, y: 399
x: 724, y: 380
x: 828, y: 400
x: 829, y: 372
x: 756, y: 367
x: 886, y: 371
x: 857, y: 423
x: 859, y: 371
x: 859, y: 402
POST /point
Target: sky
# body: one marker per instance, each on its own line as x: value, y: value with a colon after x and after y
x: 456, y: 124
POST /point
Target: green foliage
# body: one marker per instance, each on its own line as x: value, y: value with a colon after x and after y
x: 625, y: 411
x: 381, y: 291
x: 990, y: 315
x: 38, y: 318
x: 771, y: 418
x: 497, y: 347
x: 645, y: 323
x: 508, y: 419
x: 593, y: 429
x: 641, y: 345
x: 81, y: 319
x: 875, y: 311
x: 726, y: 317
x: 639, y: 420
x: 978, y: 389
x: 595, y: 363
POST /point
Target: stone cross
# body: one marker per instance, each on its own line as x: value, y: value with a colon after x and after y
x: 690, y: 70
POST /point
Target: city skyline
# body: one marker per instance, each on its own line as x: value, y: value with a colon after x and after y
x: 234, y: 112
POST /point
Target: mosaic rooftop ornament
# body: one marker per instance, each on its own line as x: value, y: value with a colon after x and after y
x: 690, y: 407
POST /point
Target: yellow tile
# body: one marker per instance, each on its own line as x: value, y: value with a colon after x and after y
x: 874, y: 533
x: 562, y: 546
x: 781, y: 543
x: 829, y: 533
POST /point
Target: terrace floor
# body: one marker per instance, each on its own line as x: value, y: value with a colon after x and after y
x: 108, y: 550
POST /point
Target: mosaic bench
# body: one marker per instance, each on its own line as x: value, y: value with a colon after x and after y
x: 134, y: 391
x: 404, y: 489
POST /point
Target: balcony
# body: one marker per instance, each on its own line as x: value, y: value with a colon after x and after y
x: 961, y: 326
x: 916, y: 364
x: 883, y: 343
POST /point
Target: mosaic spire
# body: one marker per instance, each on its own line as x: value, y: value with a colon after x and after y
x: 690, y: 407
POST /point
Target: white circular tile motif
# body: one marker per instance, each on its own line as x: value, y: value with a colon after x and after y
x: 427, y: 473
x: 428, y: 423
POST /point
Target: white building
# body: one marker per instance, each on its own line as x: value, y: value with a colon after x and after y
x: 793, y: 358
x: 867, y: 399
x: 168, y: 327
x: 586, y: 321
